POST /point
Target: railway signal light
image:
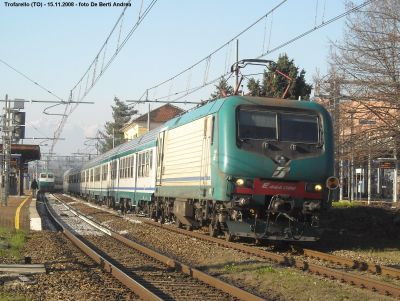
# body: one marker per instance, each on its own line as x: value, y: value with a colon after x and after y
x: 19, y: 125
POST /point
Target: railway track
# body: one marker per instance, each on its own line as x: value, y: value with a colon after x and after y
x: 350, y: 278
x: 152, y: 276
x: 354, y: 264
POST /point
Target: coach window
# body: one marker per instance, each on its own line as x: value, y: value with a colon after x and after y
x: 146, y: 173
x: 120, y: 168
x: 151, y: 159
x: 97, y: 174
x: 114, y: 169
x: 105, y: 172
x: 130, y: 167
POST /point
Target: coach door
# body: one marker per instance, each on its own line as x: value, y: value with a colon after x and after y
x: 160, y: 157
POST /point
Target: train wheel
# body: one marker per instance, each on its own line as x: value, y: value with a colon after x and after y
x: 229, y: 236
x: 178, y: 223
x: 212, y: 230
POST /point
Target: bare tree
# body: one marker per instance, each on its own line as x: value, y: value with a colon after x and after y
x: 362, y: 88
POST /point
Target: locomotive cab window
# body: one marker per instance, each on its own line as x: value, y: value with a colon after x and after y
x: 299, y: 128
x: 277, y: 126
x: 257, y: 125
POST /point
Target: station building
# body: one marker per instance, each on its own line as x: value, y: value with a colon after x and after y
x: 159, y: 116
x: 365, y: 140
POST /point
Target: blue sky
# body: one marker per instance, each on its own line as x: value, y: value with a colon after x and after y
x: 54, y: 47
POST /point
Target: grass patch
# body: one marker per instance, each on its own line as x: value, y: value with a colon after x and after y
x: 231, y: 268
x: 11, y: 243
x: 344, y: 204
x: 265, y: 270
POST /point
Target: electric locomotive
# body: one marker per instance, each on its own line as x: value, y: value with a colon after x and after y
x: 46, y: 182
x: 247, y: 167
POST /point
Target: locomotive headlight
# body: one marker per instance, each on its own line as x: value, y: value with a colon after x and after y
x: 318, y: 187
x: 239, y: 182
x: 314, y: 187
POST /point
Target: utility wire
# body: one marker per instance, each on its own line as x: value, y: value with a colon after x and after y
x: 355, y: 8
x: 269, y: 51
x: 221, y: 47
x: 69, y: 108
x: 31, y: 80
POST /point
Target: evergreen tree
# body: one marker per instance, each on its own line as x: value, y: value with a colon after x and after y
x: 274, y: 84
x: 113, y: 134
x: 222, y: 89
x: 254, y: 87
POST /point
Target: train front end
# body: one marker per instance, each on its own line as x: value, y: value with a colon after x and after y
x: 46, y: 182
x: 275, y: 167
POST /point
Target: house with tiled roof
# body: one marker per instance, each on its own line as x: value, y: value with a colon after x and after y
x: 159, y: 116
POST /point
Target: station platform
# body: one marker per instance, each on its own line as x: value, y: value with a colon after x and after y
x: 20, y: 214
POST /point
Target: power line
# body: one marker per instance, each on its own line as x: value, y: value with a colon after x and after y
x: 355, y: 8
x: 31, y: 80
x: 93, y: 66
x: 219, y: 48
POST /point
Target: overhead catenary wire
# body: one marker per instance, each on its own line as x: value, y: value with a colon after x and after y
x: 69, y: 108
x: 355, y: 8
x: 221, y: 47
x: 31, y: 80
x: 288, y: 42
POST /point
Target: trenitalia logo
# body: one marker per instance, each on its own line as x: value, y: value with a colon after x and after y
x: 269, y: 185
x: 281, y: 171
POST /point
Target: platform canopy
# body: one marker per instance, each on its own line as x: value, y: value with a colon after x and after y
x: 28, y: 152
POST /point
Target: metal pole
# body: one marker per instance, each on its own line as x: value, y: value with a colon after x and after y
x: 349, y: 180
x: 378, y: 188
x: 148, y: 119
x: 341, y: 180
x: 395, y: 175
x: 352, y: 159
x: 6, y: 153
x: 369, y: 177
x: 148, y: 112
x: 237, y: 68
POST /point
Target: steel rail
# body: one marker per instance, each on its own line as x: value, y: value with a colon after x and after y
x: 186, y: 269
x: 135, y: 286
x: 355, y: 264
x: 360, y: 281
x: 357, y: 280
